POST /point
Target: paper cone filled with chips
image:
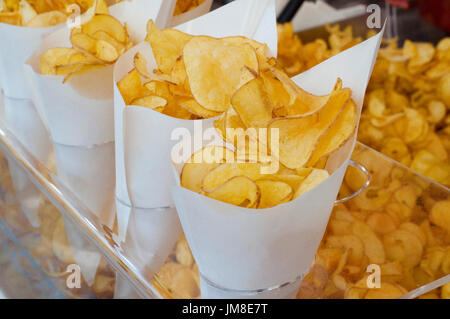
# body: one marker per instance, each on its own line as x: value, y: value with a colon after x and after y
x: 150, y: 107
x: 187, y: 10
x: 254, y: 221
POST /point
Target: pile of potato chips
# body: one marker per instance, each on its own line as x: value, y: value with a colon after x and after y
x: 406, y: 109
x: 96, y: 44
x: 400, y: 223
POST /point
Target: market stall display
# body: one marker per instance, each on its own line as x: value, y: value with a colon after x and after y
x: 157, y: 150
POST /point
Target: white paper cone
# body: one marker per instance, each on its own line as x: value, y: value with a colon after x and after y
x: 192, y: 14
x: 22, y: 120
x: 18, y: 43
x: 314, y: 14
x: 150, y: 237
x: 143, y: 136
x: 244, y: 249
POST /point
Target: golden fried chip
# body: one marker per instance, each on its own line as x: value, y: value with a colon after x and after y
x: 214, y: 69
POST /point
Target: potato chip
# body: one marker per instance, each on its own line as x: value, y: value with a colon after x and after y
x: 108, y: 24
x: 338, y: 133
x: 373, y: 246
x: 195, y: 108
x: 167, y: 46
x: 131, y: 86
x: 348, y: 242
x: 440, y: 215
x: 151, y: 101
x: 227, y: 171
x: 387, y: 291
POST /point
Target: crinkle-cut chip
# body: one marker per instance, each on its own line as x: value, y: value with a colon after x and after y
x: 152, y: 102
x: 440, y: 215
x: 201, y: 163
x: 347, y: 242
x: 52, y: 58
x: 300, y: 135
x: 167, y: 45
x: 314, y: 179
x: 47, y: 19
x: 106, y: 23
x: 302, y: 102
x: 238, y: 191
x: 226, y: 171
x: 386, y: 291
x: 373, y: 247
x: 404, y: 247
x: 253, y: 105
x: 273, y: 193
x: 131, y: 86
x: 192, y: 106
x: 337, y: 135
x: 214, y: 68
